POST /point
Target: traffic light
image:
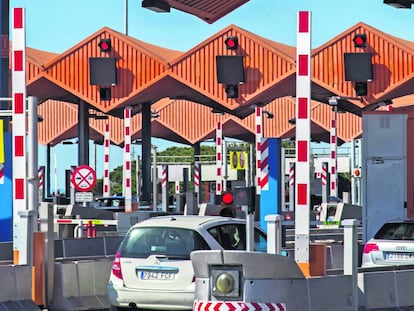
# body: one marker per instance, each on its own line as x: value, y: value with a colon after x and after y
x: 360, y: 40
x: 105, y: 45
x: 105, y: 93
x: 356, y: 172
x: 361, y: 88
x: 227, y: 208
x: 232, y: 43
x: 245, y: 196
x: 232, y: 90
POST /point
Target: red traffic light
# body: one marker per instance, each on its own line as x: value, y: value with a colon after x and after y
x: 105, y: 45
x: 227, y: 198
x: 360, y: 40
x: 232, y: 43
x: 357, y: 172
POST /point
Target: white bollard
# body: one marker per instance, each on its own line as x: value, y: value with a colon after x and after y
x: 351, y: 255
x: 274, y: 233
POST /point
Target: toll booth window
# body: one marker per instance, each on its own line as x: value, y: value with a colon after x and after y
x: 331, y: 212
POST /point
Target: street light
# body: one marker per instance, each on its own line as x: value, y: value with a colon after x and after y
x: 158, y: 6
x: 399, y: 4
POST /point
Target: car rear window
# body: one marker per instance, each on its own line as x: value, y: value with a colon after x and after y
x: 141, y: 242
x: 396, y: 231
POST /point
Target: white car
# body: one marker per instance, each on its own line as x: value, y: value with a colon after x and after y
x: 392, y: 245
x: 152, y: 267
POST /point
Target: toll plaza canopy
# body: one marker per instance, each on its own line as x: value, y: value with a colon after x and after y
x: 208, y: 10
x: 182, y: 87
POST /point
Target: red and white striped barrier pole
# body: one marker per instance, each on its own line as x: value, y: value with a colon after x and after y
x: 41, y: 176
x: 107, y: 144
x: 237, y: 306
x: 258, y: 140
x: 292, y: 186
x: 20, y: 243
x: 127, y: 160
x: 1, y: 173
x: 303, y: 120
x: 196, y: 177
x: 219, y: 158
x: 325, y: 182
x: 164, y: 187
x: 41, y: 179
x: 264, y: 164
x: 333, y: 160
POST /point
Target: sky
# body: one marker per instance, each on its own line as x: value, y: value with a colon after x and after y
x: 57, y: 25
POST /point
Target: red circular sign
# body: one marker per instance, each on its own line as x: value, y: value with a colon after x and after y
x: 83, y: 178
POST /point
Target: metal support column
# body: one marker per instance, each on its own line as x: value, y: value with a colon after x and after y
x: 83, y: 133
x: 4, y: 57
x: 154, y: 179
x: 146, y: 153
x: 32, y: 178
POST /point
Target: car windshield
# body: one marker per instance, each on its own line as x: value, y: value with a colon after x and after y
x: 396, y: 231
x: 142, y: 242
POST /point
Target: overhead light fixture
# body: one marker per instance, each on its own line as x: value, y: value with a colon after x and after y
x: 292, y: 121
x: 98, y: 116
x: 155, y: 114
x: 399, y: 4
x: 268, y: 114
x: 158, y: 6
x: 333, y: 101
x: 217, y: 111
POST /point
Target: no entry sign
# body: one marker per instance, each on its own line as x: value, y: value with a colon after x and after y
x: 83, y: 178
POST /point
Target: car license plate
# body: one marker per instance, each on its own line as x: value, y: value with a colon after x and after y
x: 156, y: 275
x: 399, y: 256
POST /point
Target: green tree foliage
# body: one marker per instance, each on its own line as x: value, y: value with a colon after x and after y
x: 170, y: 155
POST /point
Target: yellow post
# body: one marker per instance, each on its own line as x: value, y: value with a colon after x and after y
x: 305, y: 268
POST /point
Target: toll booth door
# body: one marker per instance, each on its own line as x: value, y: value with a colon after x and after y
x: 385, y: 193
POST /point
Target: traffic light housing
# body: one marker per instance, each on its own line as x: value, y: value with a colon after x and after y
x: 357, y: 172
x: 227, y: 208
x: 232, y: 43
x: 245, y: 196
x: 360, y: 40
x: 361, y: 88
x: 105, y: 93
x: 232, y: 90
x: 105, y: 45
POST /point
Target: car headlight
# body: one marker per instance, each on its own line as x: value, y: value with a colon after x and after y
x: 225, y: 283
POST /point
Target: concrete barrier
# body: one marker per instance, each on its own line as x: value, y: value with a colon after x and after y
x: 271, y: 278
x: 16, y: 288
x: 81, y: 285
x: 387, y: 289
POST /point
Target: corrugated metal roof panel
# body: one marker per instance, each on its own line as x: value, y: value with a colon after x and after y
x: 198, y: 67
x: 207, y: 10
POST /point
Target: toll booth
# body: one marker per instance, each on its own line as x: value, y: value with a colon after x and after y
x: 332, y: 213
